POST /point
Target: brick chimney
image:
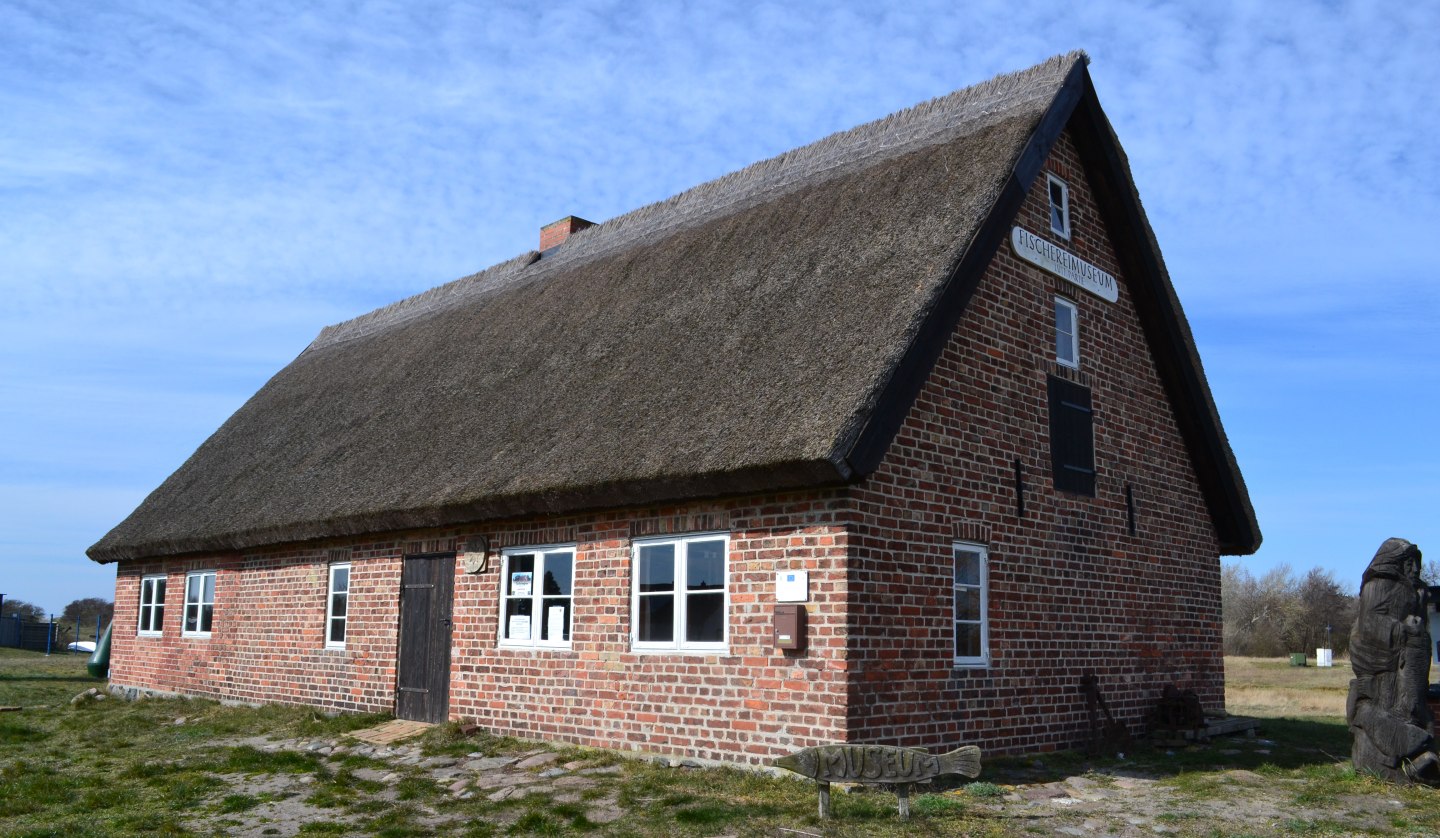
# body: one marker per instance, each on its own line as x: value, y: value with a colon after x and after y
x: 557, y: 232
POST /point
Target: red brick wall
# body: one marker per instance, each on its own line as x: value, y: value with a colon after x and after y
x: 747, y: 704
x: 1070, y: 590
x: 267, y: 642
x: 753, y: 702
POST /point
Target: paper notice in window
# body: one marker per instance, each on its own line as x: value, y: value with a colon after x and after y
x: 520, y: 583
x: 555, y: 622
x: 519, y: 628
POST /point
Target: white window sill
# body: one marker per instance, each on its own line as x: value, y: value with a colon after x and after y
x: 971, y: 663
x: 721, y: 651
x: 196, y: 635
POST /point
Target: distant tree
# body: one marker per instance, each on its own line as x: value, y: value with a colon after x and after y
x: 1322, y: 602
x: 85, y: 612
x: 1430, y: 572
x: 29, y: 612
x: 1277, y: 613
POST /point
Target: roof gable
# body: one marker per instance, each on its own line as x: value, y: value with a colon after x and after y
x: 765, y: 331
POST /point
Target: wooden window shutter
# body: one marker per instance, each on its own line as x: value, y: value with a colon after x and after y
x: 1072, y: 437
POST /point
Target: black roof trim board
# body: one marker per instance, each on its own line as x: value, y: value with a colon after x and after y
x: 909, y: 376
x: 1171, y: 343
x: 1163, y: 320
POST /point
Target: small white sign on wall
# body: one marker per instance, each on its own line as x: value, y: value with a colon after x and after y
x: 792, y: 586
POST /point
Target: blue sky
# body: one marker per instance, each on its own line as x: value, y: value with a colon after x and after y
x: 190, y: 191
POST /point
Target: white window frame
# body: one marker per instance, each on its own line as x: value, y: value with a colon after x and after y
x: 330, y: 594
x: 199, y: 604
x: 148, y: 583
x: 983, y: 659
x: 536, y: 596
x: 679, y: 643
x: 1063, y: 231
x: 1073, y: 362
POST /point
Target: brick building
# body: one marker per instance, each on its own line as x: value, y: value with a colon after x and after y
x: 925, y: 382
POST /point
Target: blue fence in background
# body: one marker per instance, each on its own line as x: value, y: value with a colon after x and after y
x: 48, y: 636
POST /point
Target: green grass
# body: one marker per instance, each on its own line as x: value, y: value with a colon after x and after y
x: 127, y: 768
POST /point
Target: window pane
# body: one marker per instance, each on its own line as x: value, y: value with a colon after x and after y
x: 556, y: 622
x: 192, y: 590
x: 1057, y: 208
x: 207, y: 613
x: 157, y: 619
x: 705, y: 566
x: 967, y: 567
x: 519, y: 619
x: 967, y: 640
x: 559, y: 569
x: 657, y: 568
x: 337, y: 631
x: 147, y: 592
x: 520, y: 581
x: 338, y: 604
x: 159, y: 590
x: 340, y: 579
x: 1064, y: 318
x: 656, y: 620
x: 705, y: 618
x: 967, y: 604
x: 191, y: 613
x: 209, y: 587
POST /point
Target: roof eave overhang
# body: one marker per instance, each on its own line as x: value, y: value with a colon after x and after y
x: 778, y: 477
x: 1167, y: 331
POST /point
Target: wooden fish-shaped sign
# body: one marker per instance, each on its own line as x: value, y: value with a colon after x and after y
x: 879, y: 763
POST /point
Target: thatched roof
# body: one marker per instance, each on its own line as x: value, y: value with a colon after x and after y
x: 763, y: 331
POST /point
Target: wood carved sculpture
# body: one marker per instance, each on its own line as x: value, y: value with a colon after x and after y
x: 885, y: 764
x: 1390, y: 655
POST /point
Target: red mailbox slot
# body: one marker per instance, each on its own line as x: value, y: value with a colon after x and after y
x: 790, y: 627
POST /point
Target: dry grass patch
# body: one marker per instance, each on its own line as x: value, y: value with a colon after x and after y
x: 1271, y: 688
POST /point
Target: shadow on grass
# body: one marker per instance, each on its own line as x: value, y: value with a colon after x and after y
x: 35, y: 678
x: 1279, y: 744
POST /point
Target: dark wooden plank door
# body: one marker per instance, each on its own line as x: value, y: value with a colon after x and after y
x: 427, y: 586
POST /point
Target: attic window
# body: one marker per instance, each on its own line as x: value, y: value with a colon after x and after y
x: 1072, y: 437
x: 1067, y: 333
x: 1059, y: 207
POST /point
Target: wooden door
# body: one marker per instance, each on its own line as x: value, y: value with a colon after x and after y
x: 427, y: 585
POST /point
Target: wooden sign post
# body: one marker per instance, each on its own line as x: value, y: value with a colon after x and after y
x: 875, y: 764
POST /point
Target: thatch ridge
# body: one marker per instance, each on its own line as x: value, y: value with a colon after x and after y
x: 938, y: 120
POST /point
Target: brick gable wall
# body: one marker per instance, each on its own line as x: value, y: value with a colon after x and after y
x: 1070, y: 590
